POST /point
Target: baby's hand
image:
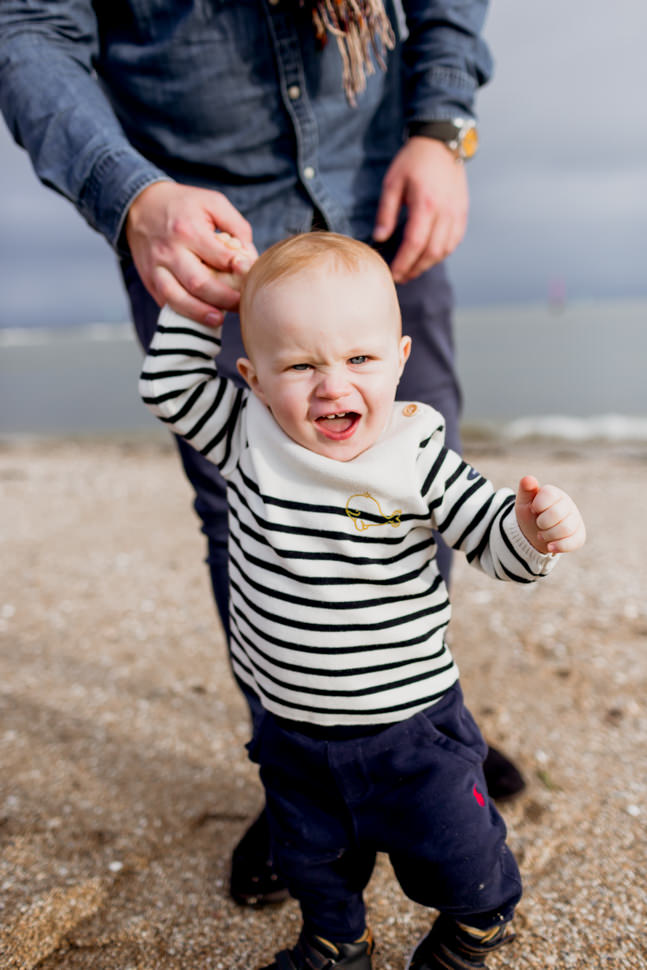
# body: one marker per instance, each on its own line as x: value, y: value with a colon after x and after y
x: 548, y: 517
x: 241, y: 261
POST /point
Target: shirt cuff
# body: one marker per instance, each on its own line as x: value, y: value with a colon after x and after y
x: 539, y: 563
x: 440, y: 94
x: 117, y: 178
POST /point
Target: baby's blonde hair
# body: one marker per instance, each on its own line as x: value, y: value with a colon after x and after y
x: 290, y: 256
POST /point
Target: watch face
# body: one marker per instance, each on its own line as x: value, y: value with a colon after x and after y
x: 469, y: 143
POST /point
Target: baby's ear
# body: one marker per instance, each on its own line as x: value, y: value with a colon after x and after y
x: 405, y: 350
x: 248, y: 372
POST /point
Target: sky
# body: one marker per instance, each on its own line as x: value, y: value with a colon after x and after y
x: 558, y: 188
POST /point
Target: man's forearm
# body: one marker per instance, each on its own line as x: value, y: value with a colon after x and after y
x: 56, y: 110
x: 445, y: 58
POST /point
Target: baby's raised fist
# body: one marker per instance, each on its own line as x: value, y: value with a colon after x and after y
x: 548, y: 517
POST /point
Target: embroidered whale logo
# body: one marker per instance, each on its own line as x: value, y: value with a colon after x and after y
x: 356, y: 510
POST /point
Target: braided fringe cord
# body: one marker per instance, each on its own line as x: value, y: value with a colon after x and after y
x: 359, y: 26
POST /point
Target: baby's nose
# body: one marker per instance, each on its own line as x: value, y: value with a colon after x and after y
x: 332, y: 384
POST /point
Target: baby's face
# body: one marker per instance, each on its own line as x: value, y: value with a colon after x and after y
x: 325, y: 356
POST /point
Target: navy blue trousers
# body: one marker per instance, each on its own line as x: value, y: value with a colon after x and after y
x: 415, y: 790
x: 429, y: 376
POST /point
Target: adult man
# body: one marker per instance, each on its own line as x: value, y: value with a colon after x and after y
x: 164, y: 120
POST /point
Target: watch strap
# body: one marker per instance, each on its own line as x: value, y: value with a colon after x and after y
x: 458, y: 134
x: 446, y: 131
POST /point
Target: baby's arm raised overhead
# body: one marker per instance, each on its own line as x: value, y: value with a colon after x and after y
x: 180, y: 384
x: 548, y: 517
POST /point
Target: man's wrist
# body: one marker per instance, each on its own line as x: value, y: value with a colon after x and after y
x: 121, y: 245
x: 459, y: 135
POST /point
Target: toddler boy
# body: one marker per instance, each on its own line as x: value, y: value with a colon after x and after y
x: 338, y: 611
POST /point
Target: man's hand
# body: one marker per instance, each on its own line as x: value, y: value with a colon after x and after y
x: 426, y: 178
x: 172, y: 231
x: 548, y: 517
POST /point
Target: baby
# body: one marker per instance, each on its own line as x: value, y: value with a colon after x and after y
x: 338, y: 611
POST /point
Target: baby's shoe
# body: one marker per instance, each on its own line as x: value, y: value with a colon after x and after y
x: 315, y: 953
x: 452, y: 946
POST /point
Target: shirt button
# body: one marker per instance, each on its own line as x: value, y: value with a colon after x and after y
x: 309, y: 172
x: 294, y: 92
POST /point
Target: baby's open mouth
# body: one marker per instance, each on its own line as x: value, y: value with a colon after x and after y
x: 338, y: 425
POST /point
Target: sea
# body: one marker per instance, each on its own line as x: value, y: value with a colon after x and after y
x: 573, y: 372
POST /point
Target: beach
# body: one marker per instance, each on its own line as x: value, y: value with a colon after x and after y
x: 124, y: 782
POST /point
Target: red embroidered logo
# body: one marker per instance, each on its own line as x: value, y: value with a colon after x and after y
x: 478, y: 796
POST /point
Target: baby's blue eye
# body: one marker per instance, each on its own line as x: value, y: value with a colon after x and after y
x: 359, y: 359
x: 300, y: 366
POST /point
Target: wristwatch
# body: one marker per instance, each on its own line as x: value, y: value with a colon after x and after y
x: 458, y: 134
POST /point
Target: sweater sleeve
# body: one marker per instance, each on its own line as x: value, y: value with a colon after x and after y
x: 474, y: 517
x: 180, y: 384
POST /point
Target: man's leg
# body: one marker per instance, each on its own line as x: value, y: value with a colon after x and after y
x: 430, y: 375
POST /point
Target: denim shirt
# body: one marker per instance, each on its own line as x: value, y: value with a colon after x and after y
x: 111, y: 95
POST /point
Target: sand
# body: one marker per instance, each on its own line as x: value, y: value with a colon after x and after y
x: 123, y: 779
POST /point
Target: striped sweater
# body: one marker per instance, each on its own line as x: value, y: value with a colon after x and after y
x: 338, y: 611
